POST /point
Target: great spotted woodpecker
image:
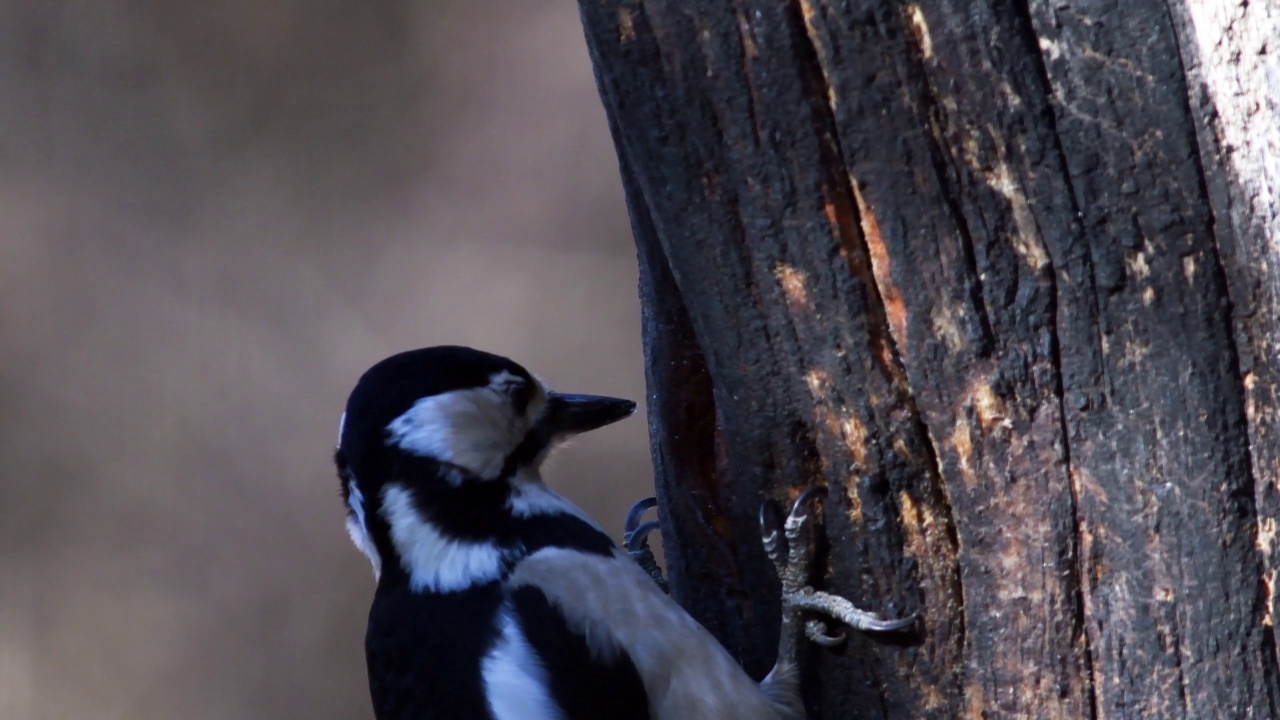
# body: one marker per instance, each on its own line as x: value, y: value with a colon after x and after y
x: 498, y: 599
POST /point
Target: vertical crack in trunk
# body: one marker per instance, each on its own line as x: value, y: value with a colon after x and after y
x: 1129, y: 99
x: 1080, y: 546
x: 948, y: 179
x: 867, y: 258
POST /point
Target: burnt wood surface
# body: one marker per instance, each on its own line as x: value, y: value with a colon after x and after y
x: 985, y: 270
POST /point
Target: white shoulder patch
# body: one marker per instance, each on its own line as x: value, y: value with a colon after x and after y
x: 530, y: 496
x: 475, y: 429
x: 615, y: 605
x: 434, y: 561
x: 357, y: 529
x: 515, y: 681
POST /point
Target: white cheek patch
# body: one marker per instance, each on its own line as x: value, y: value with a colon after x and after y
x: 357, y: 529
x: 475, y: 429
x: 342, y: 423
x: 434, y: 561
x: 515, y: 680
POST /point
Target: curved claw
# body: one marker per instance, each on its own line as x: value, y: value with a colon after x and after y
x: 829, y: 640
x: 890, y: 625
x: 798, y: 507
x: 636, y: 512
x: 770, y: 517
x: 775, y: 542
x: 816, y: 631
x: 635, y: 540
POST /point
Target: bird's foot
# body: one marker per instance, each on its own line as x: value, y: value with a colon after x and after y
x: 635, y: 538
x: 787, y: 546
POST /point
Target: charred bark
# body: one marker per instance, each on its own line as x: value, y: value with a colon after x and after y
x: 986, y: 270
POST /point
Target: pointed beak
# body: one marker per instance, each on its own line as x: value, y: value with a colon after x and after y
x: 572, y: 414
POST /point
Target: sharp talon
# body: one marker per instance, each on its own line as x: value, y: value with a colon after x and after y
x: 816, y: 631
x: 787, y: 544
x: 636, y: 512
x: 798, y: 507
x: 775, y: 542
x: 637, y: 540
x: 770, y: 518
x: 890, y: 625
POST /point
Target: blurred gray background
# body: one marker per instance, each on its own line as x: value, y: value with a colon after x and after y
x: 213, y: 217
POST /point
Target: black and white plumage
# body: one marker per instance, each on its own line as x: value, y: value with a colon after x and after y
x: 496, y: 597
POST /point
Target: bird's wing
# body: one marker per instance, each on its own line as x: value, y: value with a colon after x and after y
x: 553, y: 667
x: 609, y: 611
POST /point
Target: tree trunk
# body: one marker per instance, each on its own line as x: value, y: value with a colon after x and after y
x: 1004, y: 277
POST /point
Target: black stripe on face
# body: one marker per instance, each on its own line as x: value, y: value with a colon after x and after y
x: 479, y: 512
x: 584, y: 685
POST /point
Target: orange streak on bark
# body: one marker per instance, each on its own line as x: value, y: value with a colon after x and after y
x: 894, y: 308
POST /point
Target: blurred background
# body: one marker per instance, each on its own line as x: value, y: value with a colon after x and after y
x: 213, y: 217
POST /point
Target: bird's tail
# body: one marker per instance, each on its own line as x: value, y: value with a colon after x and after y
x: 782, y: 687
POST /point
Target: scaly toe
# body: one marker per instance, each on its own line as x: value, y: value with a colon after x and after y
x: 799, y: 555
x: 839, y: 608
x: 789, y: 548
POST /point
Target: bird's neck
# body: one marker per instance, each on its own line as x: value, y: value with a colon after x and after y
x: 451, y: 537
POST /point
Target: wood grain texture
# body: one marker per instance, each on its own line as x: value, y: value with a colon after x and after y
x: 977, y: 268
x: 1233, y: 75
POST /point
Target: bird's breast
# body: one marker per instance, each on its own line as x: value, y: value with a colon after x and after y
x: 425, y: 651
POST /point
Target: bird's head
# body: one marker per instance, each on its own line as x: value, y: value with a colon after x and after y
x: 449, y: 417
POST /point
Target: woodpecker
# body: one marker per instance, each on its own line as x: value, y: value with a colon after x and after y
x: 497, y: 598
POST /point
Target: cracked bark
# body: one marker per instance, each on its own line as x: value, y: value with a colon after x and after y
x: 1000, y: 274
